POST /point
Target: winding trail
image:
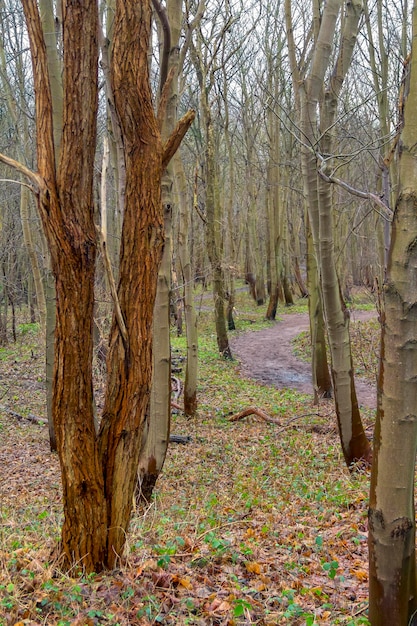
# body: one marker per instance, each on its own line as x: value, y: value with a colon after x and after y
x: 267, y: 356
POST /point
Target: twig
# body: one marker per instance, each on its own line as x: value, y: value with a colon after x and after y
x: 361, y: 610
x: 297, y: 417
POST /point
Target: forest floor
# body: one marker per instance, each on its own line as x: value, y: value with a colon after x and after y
x: 250, y: 523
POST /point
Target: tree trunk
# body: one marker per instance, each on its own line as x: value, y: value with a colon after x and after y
x: 392, y: 558
x: 355, y: 445
x: 353, y: 439
x: 213, y: 238
x: 129, y: 362
x: 156, y: 436
x: 322, y: 383
x: 99, y: 473
x: 191, y: 366
x: 273, y: 200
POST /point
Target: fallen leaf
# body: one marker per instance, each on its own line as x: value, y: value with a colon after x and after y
x: 253, y: 567
x: 360, y: 574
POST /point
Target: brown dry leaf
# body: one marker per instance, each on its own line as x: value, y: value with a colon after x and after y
x: 223, y: 607
x: 185, y: 582
x: 162, y: 579
x: 149, y: 564
x: 253, y: 567
x: 360, y: 574
x: 260, y: 586
x: 218, y: 606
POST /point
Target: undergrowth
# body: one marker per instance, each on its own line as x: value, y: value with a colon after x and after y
x: 250, y: 523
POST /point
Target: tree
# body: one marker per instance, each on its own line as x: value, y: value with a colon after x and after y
x: 99, y: 471
x: 318, y: 100
x: 320, y: 369
x: 158, y: 419
x: 392, y: 558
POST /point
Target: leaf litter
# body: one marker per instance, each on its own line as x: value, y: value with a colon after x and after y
x: 246, y: 526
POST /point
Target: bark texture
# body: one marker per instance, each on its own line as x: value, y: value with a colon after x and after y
x: 99, y: 472
x: 392, y: 558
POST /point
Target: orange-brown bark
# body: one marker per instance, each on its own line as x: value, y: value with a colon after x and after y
x: 99, y: 473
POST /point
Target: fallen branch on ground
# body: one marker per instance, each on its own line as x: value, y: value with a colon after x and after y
x: 252, y: 410
x: 29, y: 417
x: 180, y: 439
x: 184, y: 439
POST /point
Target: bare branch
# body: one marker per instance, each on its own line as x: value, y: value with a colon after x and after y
x: 190, y: 28
x: 22, y: 169
x: 366, y: 195
x: 112, y: 284
x: 163, y: 18
x: 174, y: 141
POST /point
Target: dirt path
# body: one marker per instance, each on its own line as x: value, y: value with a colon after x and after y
x: 267, y: 356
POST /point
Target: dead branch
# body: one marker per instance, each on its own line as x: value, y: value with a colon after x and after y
x: 174, y: 141
x: 29, y: 417
x: 297, y: 417
x: 252, y: 410
x: 184, y: 439
x: 267, y: 418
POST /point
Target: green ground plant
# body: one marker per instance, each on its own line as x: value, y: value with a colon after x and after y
x: 249, y: 523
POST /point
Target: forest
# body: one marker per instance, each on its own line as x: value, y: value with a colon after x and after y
x: 208, y: 366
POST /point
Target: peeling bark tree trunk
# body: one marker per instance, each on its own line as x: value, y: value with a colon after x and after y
x: 99, y: 472
x: 392, y: 558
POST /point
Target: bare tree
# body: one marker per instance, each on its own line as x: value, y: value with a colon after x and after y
x: 99, y: 471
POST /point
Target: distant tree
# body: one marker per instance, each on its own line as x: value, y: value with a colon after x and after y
x: 99, y: 472
x: 205, y: 56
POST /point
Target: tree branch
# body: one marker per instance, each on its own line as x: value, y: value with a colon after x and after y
x: 174, y: 141
x: 112, y: 284
x: 190, y: 29
x: 163, y: 18
x: 163, y: 101
x: 366, y: 195
x: 34, y: 178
